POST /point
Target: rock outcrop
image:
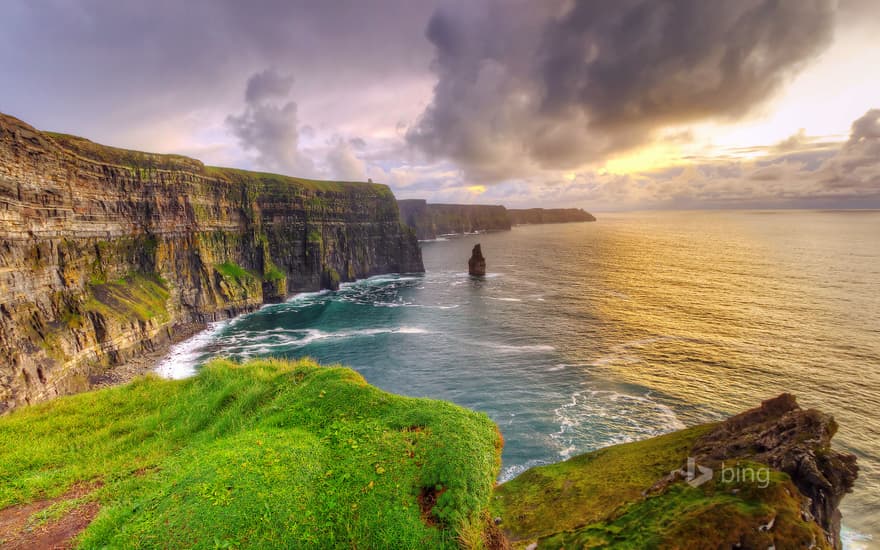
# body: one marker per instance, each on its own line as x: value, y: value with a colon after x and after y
x: 104, y: 252
x: 766, y: 478
x: 431, y: 220
x: 790, y: 439
x: 477, y: 263
x: 548, y: 215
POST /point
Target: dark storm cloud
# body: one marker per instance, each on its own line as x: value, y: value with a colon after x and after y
x: 86, y: 66
x: 523, y: 85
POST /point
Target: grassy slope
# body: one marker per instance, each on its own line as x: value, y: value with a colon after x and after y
x: 269, y: 454
x: 598, y: 500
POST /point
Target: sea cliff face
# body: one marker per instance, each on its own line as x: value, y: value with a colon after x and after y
x: 104, y: 252
x: 432, y: 220
x: 548, y: 215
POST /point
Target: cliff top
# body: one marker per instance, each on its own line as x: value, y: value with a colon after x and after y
x: 269, y: 454
x: 138, y: 160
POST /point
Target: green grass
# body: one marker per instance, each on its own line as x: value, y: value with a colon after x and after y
x: 714, y: 515
x: 135, y: 296
x: 273, y: 273
x: 584, y: 489
x: 314, y: 237
x: 269, y: 181
x: 270, y: 454
x: 233, y: 271
x: 604, y: 499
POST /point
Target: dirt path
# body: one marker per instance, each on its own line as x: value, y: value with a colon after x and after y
x: 18, y: 532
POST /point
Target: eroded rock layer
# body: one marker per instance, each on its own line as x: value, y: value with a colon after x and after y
x: 104, y: 252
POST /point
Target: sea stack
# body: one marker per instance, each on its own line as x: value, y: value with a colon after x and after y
x: 477, y: 263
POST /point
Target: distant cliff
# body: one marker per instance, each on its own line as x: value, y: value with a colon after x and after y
x: 548, y: 215
x: 432, y: 220
x: 104, y: 252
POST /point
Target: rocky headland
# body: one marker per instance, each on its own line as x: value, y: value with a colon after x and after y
x: 105, y: 254
x: 548, y: 215
x: 430, y: 221
x: 765, y: 478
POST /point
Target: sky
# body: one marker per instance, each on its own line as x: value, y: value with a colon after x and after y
x: 601, y: 104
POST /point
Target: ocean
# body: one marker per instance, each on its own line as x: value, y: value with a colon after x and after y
x: 589, y: 334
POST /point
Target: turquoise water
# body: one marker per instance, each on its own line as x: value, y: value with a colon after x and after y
x: 585, y: 335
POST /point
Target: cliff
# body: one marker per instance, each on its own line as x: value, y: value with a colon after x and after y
x: 762, y: 479
x: 548, y: 215
x: 106, y: 253
x: 431, y: 220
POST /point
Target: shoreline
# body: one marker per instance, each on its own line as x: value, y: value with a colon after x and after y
x: 144, y: 363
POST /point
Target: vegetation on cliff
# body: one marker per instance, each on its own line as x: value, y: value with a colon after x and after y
x: 737, y: 495
x: 106, y: 253
x: 265, y: 454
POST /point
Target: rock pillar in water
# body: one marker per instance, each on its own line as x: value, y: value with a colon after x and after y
x: 477, y: 263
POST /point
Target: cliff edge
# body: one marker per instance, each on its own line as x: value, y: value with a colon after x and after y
x: 762, y: 479
x: 105, y: 253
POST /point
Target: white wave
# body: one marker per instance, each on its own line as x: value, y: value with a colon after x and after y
x: 381, y: 279
x: 511, y: 472
x: 261, y: 343
x: 183, y: 357
x: 627, y: 417
x: 852, y: 540
x: 303, y: 296
x: 506, y: 299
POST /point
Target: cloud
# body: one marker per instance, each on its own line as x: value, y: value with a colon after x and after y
x: 271, y: 129
x: 806, y: 174
x: 267, y: 85
x: 344, y: 165
x: 557, y: 85
x: 856, y: 168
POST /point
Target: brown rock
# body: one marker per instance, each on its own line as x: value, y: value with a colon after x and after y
x: 795, y: 441
x: 477, y: 263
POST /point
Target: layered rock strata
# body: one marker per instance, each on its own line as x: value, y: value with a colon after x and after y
x: 104, y: 251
